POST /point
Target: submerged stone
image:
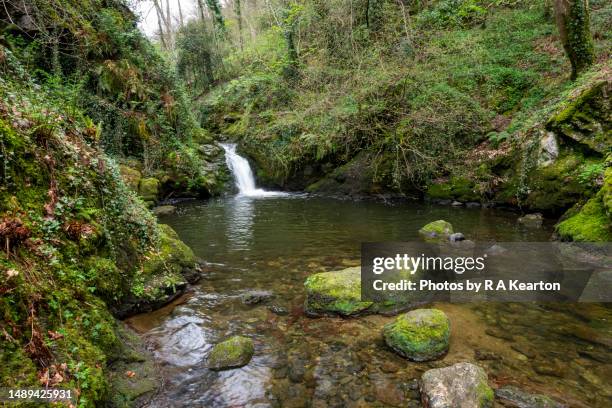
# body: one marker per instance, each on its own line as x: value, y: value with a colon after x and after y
x: 419, y: 335
x: 234, y: 352
x: 515, y: 397
x: 436, y: 231
x: 254, y: 297
x: 531, y: 220
x: 461, y: 385
x: 164, y: 210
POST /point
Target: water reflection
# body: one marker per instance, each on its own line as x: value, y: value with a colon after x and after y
x: 240, y: 210
x: 331, y: 362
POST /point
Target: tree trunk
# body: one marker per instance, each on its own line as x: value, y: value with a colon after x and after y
x: 238, y: 10
x: 160, y: 25
x: 181, y: 19
x: 573, y: 21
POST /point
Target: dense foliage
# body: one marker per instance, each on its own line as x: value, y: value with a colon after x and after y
x: 94, y: 55
x: 401, y: 90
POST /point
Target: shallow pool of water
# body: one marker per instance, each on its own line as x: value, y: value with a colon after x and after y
x: 273, y: 243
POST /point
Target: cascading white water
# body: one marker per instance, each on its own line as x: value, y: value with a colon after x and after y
x: 243, y: 175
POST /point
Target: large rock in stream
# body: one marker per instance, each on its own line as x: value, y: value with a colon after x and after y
x: 463, y: 385
x: 436, y: 231
x: 339, y: 293
x: 234, y: 352
x: 419, y: 335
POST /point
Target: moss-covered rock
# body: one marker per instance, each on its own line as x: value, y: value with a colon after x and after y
x: 436, y: 231
x: 165, y: 272
x: 130, y: 176
x: 148, y: 189
x: 336, y: 292
x: 234, y: 352
x: 590, y: 221
x: 587, y: 223
x: 133, y: 374
x: 460, y: 385
x: 164, y: 210
x: 558, y: 186
x: 531, y: 220
x: 585, y: 117
x: 339, y: 293
x: 419, y: 335
x: 457, y: 188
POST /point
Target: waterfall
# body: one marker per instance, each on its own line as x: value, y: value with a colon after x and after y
x: 243, y: 175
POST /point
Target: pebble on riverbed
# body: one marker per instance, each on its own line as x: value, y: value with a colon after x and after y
x: 234, y: 352
x: 419, y: 335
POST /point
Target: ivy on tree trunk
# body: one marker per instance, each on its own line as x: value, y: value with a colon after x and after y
x: 573, y: 21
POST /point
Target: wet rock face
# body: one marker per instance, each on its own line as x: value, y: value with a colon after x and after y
x: 436, y: 231
x: 419, y: 335
x: 461, y: 385
x: 235, y: 352
x: 514, y: 397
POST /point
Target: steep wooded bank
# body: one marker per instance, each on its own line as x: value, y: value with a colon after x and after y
x: 451, y: 100
x: 82, y: 90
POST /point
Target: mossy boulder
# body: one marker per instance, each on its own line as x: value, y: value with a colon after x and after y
x: 534, y: 220
x: 460, y: 385
x: 557, y: 186
x: 148, y: 189
x: 337, y: 292
x: 436, y: 231
x: 133, y: 375
x: 164, y: 210
x: 456, y: 188
x: 165, y: 272
x: 419, y: 335
x: 591, y: 221
x: 131, y: 177
x: 234, y: 352
x: 586, y: 223
x: 585, y: 117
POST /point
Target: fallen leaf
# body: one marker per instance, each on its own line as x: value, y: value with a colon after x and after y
x: 55, y: 335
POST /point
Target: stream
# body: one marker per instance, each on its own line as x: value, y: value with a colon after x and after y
x: 272, y: 242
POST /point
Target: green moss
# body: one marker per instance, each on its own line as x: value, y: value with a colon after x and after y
x: 335, y: 292
x: 486, y: 393
x: 588, y: 224
x: 148, y: 189
x: 558, y: 186
x: 171, y: 255
x: 419, y: 335
x: 436, y: 231
x: 456, y: 188
x: 234, y: 352
x: 131, y: 177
